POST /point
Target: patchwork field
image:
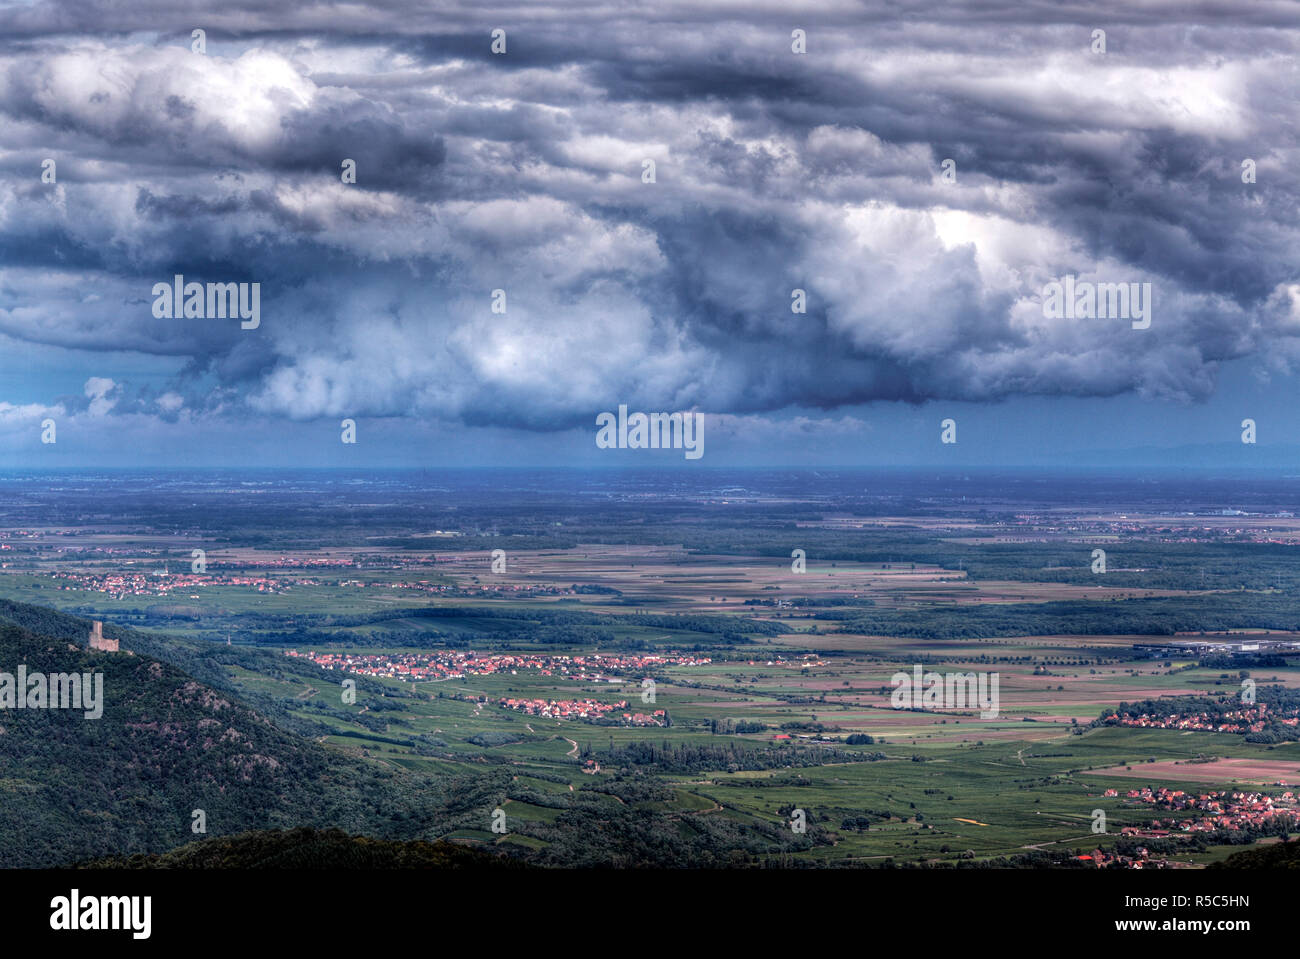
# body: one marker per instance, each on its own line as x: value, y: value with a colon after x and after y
x: 705, y: 677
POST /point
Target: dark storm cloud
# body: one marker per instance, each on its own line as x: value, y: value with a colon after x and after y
x: 774, y: 171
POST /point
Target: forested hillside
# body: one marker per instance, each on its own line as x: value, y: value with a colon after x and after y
x: 311, y: 849
x: 73, y: 788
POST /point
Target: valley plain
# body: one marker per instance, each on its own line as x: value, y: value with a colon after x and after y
x: 652, y: 669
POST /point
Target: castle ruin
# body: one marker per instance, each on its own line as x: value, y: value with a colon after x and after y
x: 97, y: 640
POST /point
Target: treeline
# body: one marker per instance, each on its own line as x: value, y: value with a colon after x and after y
x: 1132, y: 563
x: 735, y: 727
x: 1158, y: 616
x: 1256, y: 661
x: 816, y: 602
x: 487, y: 627
x: 732, y: 757
x: 534, y: 617
x: 1282, y: 855
x: 472, y: 543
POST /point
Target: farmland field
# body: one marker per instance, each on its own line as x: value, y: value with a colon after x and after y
x: 728, y: 667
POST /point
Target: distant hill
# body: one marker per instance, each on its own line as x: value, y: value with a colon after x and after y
x: 204, y: 661
x: 193, y: 658
x: 311, y: 849
x: 73, y: 788
x: 1278, y: 855
x: 176, y: 738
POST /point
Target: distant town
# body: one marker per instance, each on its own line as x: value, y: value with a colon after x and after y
x: 449, y: 664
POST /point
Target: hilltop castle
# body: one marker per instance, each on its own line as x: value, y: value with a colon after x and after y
x: 97, y: 640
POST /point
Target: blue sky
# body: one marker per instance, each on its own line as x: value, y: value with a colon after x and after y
x: 525, y: 172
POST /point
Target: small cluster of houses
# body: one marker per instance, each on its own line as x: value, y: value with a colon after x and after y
x: 562, y: 708
x: 448, y: 589
x: 1250, y: 719
x: 586, y: 709
x: 1140, y: 860
x: 162, y: 583
x: 1214, y: 810
x: 806, y: 661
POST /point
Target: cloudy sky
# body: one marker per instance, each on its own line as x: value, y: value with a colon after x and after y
x: 524, y: 172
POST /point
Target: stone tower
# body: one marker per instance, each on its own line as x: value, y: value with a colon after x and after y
x: 97, y: 640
